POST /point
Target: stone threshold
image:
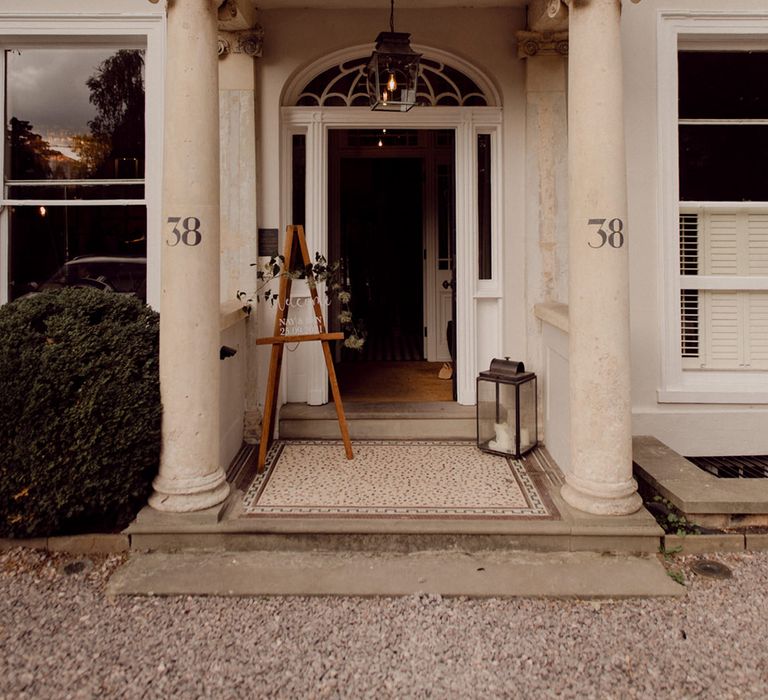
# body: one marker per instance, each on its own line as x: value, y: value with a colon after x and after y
x: 406, y: 410
x: 429, y: 420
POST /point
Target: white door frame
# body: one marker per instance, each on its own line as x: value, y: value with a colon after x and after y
x: 467, y: 122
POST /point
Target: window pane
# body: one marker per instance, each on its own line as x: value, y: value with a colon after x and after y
x: 110, y: 242
x: 446, y: 205
x: 299, y: 189
x: 67, y: 193
x: 74, y: 113
x: 484, y: 206
x: 362, y: 138
x: 723, y: 85
x: 723, y: 163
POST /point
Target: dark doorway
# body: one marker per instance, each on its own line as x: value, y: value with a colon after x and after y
x: 383, y: 227
x: 381, y: 242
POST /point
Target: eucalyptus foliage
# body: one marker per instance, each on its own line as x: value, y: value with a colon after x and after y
x: 321, y: 271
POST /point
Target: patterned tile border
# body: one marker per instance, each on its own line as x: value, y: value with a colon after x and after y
x: 530, y: 499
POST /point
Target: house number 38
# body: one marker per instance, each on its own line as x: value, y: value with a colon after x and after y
x: 188, y: 234
x: 614, y: 236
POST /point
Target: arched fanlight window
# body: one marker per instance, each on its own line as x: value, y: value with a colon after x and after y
x: 344, y: 85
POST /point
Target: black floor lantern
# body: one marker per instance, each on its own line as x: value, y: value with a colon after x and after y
x: 506, y: 409
x: 393, y: 70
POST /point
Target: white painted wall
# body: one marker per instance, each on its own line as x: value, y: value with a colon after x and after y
x: 233, y: 382
x: 692, y: 429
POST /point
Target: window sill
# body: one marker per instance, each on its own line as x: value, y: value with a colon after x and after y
x: 703, y: 395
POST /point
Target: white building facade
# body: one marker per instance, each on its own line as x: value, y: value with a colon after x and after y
x: 606, y: 218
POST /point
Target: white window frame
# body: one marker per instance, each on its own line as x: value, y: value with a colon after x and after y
x: 104, y: 30
x: 711, y: 31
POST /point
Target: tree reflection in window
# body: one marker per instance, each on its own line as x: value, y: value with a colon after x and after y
x: 74, y: 167
x: 94, y: 130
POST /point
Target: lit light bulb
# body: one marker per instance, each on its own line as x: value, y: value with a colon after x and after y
x: 43, y: 211
x: 380, y: 143
x: 391, y: 84
x: 383, y: 131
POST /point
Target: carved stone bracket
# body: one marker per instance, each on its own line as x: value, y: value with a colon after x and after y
x: 542, y: 44
x: 248, y: 41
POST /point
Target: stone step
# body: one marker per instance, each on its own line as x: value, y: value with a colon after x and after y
x: 481, y: 574
x: 221, y: 529
x: 371, y: 421
x: 558, y: 537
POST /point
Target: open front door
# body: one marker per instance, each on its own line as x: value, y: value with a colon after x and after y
x: 439, y: 246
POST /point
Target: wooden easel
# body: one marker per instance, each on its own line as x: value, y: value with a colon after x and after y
x: 296, y: 252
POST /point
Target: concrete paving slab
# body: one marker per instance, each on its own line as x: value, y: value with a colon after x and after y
x: 701, y: 544
x: 756, y: 542
x: 487, y: 574
x: 7, y: 543
x: 615, y: 543
x: 90, y: 544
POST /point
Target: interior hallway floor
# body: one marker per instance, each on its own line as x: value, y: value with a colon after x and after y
x: 388, y: 382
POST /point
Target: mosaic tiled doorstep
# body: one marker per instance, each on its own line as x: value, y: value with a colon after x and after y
x: 389, y: 478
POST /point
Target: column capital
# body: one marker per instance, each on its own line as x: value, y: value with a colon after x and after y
x: 531, y: 44
x: 247, y: 41
x: 239, y: 29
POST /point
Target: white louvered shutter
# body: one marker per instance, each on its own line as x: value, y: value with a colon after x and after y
x: 724, y: 329
x: 757, y: 345
x: 758, y: 244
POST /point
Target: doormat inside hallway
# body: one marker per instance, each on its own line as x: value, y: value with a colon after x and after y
x: 395, y: 479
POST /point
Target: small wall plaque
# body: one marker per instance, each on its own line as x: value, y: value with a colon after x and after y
x: 267, y: 242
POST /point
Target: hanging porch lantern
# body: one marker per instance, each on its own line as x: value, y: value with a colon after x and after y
x: 506, y: 409
x: 393, y: 70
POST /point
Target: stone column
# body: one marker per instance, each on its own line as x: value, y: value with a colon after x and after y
x: 190, y: 477
x: 600, y: 479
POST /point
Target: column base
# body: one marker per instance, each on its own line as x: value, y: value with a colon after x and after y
x: 607, y: 504
x: 188, y: 495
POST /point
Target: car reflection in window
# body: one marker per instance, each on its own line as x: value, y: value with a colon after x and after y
x: 125, y: 275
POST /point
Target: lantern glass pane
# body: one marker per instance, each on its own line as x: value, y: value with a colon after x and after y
x: 497, y: 409
x: 486, y: 412
x: 527, y: 415
x: 392, y: 80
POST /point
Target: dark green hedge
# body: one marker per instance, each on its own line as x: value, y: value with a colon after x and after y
x: 79, y: 411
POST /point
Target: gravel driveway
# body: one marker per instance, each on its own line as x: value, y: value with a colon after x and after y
x: 61, y: 637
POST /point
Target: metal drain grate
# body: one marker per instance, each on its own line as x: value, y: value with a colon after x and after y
x: 753, y: 467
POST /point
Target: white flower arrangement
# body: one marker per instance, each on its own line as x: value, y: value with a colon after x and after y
x: 320, y: 271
